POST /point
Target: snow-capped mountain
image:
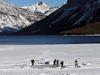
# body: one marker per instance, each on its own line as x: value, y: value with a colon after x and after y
x: 13, y: 18
x: 42, y: 7
x: 74, y: 14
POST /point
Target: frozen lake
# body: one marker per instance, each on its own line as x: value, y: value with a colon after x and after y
x: 15, y: 59
x: 51, y: 39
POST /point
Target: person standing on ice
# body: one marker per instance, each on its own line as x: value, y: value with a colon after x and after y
x: 62, y: 63
x: 76, y: 63
x: 32, y: 61
x: 57, y: 62
x: 54, y: 62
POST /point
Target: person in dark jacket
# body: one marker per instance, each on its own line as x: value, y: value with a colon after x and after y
x: 57, y: 62
x: 62, y: 64
x: 76, y: 63
x: 54, y: 62
x: 32, y: 61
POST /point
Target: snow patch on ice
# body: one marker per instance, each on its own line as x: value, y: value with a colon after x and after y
x: 86, y: 64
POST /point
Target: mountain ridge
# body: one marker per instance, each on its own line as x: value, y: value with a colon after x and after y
x: 42, y: 7
x: 13, y: 18
x: 70, y: 16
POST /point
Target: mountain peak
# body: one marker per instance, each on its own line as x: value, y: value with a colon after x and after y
x: 38, y: 7
x: 42, y: 3
x: 39, y: 3
x: 13, y: 18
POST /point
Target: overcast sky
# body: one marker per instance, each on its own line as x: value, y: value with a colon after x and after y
x: 20, y: 3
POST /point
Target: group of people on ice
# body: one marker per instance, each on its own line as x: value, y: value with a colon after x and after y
x: 56, y: 63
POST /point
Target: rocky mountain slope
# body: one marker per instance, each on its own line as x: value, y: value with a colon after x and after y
x: 74, y: 14
x: 42, y: 7
x: 13, y: 18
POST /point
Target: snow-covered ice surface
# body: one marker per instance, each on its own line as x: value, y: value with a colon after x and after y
x: 15, y: 59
